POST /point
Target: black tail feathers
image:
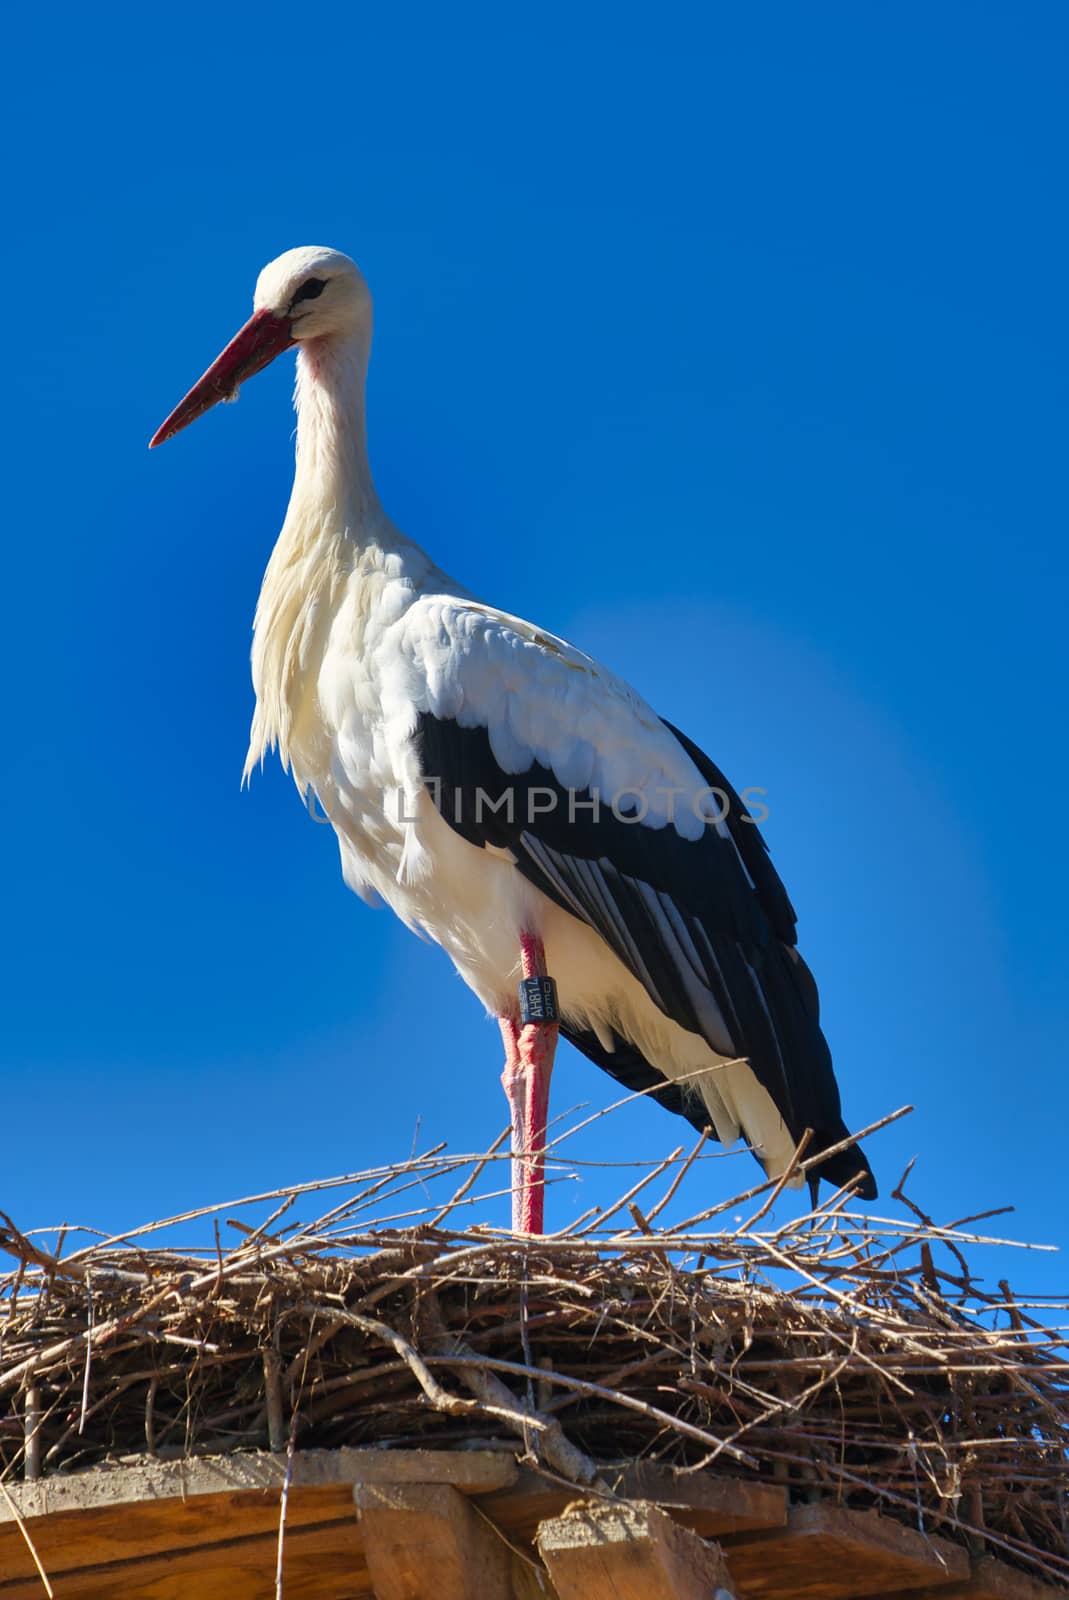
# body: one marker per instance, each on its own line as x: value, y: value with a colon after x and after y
x: 843, y: 1168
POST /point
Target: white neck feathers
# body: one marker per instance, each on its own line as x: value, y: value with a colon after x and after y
x: 332, y: 465
x: 333, y: 518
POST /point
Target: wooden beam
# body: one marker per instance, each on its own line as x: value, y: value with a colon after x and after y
x: 828, y: 1553
x: 320, y: 1563
x: 711, y: 1506
x: 109, y: 1515
x: 424, y: 1542
x: 991, y: 1580
x: 108, y: 1536
x: 470, y: 1471
x: 605, y: 1551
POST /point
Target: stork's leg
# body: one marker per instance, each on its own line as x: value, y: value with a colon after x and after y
x: 513, y: 1084
x: 530, y: 1037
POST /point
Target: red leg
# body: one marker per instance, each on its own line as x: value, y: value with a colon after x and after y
x: 529, y: 1051
x: 512, y: 1080
x: 536, y: 1045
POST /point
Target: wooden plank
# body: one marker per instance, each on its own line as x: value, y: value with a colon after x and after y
x: 424, y: 1542
x: 115, y: 1514
x: 105, y: 1535
x: 991, y: 1580
x: 602, y: 1551
x: 828, y: 1553
x: 711, y: 1506
x: 470, y: 1471
x: 320, y: 1563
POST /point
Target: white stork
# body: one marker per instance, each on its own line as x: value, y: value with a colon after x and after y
x: 585, y: 866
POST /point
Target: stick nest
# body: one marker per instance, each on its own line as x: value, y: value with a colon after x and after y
x: 842, y: 1356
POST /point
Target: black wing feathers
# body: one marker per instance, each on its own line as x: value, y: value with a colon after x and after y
x: 750, y: 843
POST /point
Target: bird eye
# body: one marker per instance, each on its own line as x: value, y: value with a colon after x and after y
x: 311, y: 289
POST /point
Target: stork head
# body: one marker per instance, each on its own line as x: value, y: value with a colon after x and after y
x: 308, y: 293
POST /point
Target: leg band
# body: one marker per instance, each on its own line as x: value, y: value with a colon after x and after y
x: 538, y: 1000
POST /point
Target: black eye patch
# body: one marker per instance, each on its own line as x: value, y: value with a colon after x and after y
x: 310, y: 289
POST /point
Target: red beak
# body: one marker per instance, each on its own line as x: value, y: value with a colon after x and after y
x: 262, y: 338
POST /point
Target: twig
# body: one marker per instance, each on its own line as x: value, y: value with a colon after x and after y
x: 88, y: 1347
x: 781, y: 1183
x: 283, y: 1503
x: 276, y: 1427
x: 438, y: 1397
x: 32, y: 1468
x: 470, y: 1181
x: 20, y: 1523
x: 670, y: 1192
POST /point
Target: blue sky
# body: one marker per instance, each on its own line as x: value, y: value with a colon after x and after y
x: 729, y: 342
